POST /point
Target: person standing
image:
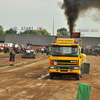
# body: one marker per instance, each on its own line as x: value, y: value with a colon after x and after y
x: 42, y: 50
x: 13, y: 57
x: 47, y: 50
x: 39, y: 50
x: 10, y: 58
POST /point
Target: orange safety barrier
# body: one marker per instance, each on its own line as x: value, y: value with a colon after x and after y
x: 99, y: 57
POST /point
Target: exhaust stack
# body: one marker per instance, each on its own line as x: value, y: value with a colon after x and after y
x: 57, y: 33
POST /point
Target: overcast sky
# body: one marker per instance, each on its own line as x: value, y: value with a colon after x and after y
x: 32, y: 13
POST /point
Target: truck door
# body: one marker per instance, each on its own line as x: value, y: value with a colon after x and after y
x: 87, y: 68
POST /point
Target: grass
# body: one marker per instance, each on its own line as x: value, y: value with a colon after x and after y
x: 33, y: 60
x: 10, y: 66
x: 4, y: 53
x: 9, y: 53
x: 16, y: 64
x: 4, y: 67
x: 40, y: 53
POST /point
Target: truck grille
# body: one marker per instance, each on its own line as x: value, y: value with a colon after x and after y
x: 66, y: 67
x: 65, y: 62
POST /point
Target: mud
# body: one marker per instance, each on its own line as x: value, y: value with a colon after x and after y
x: 32, y: 82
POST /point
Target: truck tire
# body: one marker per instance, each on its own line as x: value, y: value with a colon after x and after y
x: 77, y: 76
x: 51, y: 76
x: 32, y: 55
x: 81, y: 72
x: 4, y: 50
x: 24, y: 54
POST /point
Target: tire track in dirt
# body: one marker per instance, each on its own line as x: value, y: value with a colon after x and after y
x: 33, y: 83
x: 25, y: 66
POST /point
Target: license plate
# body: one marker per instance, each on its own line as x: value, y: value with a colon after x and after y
x: 64, y: 70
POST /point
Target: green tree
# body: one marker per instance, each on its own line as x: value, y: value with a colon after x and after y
x: 2, y: 33
x: 44, y: 32
x: 63, y: 32
x: 11, y: 31
x: 30, y: 32
x: 38, y: 32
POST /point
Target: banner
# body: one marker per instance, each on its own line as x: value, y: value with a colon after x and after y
x: 86, y: 30
x: 27, y: 28
x: 83, y: 92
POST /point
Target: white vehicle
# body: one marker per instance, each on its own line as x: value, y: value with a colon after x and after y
x: 28, y: 52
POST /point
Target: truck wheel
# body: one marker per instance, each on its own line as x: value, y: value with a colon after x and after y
x: 77, y: 76
x: 31, y: 55
x: 24, y: 54
x: 51, y: 76
x: 81, y: 75
x: 34, y: 57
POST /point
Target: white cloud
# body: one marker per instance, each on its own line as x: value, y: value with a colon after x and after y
x: 38, y: 13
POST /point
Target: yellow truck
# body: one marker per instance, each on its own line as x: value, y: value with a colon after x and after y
x: 67, y: 58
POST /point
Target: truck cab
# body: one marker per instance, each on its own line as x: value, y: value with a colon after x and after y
x: 66, y: 58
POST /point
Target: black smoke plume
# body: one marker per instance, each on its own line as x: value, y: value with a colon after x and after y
x: 74, y: 7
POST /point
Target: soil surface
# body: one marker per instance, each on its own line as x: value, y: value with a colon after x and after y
x: 32, y: 82
x: 4, y: 59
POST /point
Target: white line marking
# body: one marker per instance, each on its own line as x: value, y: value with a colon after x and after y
x: 18, y: 94
x: 43, y: 76
x: 38, y: 84
x: 37, y: 91
x: 43, y: 86
x: 24, y: 66
x: 33, y: 95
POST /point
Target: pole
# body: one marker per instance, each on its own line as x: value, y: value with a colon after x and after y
x: 53, y: 29
x: 81, y: 43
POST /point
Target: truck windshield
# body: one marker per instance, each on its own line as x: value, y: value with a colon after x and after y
x: 70, y: 51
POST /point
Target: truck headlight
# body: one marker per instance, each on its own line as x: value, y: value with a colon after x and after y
x: 51, y: 67
x: 73, y: 61
x: 76, y: 68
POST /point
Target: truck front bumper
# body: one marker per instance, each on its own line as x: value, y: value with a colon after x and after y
x: 63, y: 69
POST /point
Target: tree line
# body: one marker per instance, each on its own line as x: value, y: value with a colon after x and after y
x: 62, y: 32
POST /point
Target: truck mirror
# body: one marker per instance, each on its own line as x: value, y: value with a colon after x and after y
x: 82, y: 50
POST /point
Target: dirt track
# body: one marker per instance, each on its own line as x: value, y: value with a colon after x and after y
x: 4, y: 59
x: 31, y: 82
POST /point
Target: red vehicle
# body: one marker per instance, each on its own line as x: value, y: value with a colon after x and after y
x: 1, y: 48
x: 88, y: 49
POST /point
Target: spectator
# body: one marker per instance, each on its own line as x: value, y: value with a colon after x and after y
x: 42, y: 50
x: 39, y: 50
x: 28, y: 44
x: 10, y: 58
x: 13, y: 57
x: 47, y: 50
x: 34, y: 50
